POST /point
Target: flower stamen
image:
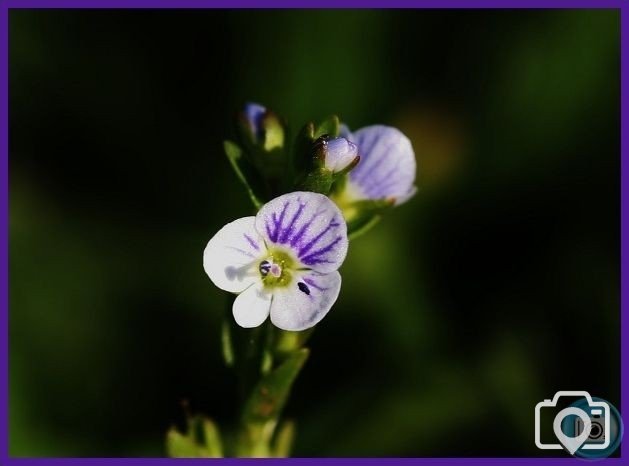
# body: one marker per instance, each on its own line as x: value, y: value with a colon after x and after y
x: 276, y: 270
x: 264, y: 268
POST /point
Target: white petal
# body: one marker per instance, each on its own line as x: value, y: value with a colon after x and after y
x: 309, y: 225
x: 251, y: 307
x: 298, y: 307
x: 232, y: 256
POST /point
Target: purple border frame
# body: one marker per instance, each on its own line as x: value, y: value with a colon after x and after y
x: 5, y: 5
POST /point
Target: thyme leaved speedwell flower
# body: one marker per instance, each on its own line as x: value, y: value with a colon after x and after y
x: 282, y: 262
x: 338, y: 154
x: 312, y: 193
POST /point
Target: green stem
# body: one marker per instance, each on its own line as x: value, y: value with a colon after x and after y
x: 266, y: 360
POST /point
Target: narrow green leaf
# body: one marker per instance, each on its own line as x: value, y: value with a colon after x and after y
x: 270, y: 394
x: 246, y: 173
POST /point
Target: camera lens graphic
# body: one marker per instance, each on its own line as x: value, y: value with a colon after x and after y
x: 596, y: 431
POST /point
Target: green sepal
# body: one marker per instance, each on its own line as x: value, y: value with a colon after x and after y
x: 201, y: 439
x: 246, y: 173
x: 319, y: 180
x: 301, y: 149
x: 302, y: 152
x: 330, y: 126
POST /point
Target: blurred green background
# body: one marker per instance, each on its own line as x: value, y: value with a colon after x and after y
x: 496, y: 286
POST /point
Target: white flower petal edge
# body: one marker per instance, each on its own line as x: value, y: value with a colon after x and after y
x: 230, y: 258
x: 306, y: 301
x: 251, y: 307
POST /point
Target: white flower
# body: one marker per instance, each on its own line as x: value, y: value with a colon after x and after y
x: 282, y: 262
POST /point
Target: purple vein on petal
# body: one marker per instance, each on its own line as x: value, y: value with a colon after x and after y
x: 313, y: 284
x: 362, y: 177
x: 384, y: 178
x: 289, y: 229
x: 378, y: 186
x: 313, y: 241
x: 312, y: 262
x: 364, y: 173
x: 314, y: 257
x: 295, y: 239
x: 269, y: 233
x: 383, y: 191
x: 250, y: 240
x: 277, y: 223
x: 241, y: 251
x: 274, y: 220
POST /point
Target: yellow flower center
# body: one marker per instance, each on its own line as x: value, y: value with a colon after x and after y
x: 275, y: 270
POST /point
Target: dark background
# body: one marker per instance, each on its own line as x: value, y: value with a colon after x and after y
x: 496, y: 286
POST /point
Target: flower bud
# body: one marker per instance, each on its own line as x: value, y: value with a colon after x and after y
x: 254, y: 113
x: 338, y: 155
x: 261, y: 127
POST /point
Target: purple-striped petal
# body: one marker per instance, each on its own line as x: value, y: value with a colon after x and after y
x: 305, y: 301
x: 387, y: 164
x: 308, y: 224
x: 232, y: 256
